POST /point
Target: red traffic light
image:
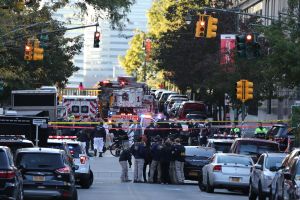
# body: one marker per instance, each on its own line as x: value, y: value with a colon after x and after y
x: 27, y: 48
x: 97, y: 35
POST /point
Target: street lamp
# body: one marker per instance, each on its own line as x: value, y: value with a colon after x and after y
x: 188, y: 19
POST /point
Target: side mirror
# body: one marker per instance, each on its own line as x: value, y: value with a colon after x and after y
x: 257, y: 166
x: 274, y: 169
x: 287, y: 176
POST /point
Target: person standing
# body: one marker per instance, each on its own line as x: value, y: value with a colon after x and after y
x: 147, y: 162
x: 138, y: 152
x: 82, y: 137
x: 155, y: 163
x: 260, y: 131
x: 165, y: 162
x: 99, y: 138
x: 125, y: 157
x: 235, y: 130
x: 179, y: 154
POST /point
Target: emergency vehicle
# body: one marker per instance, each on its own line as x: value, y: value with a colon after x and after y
x: 80, y: 106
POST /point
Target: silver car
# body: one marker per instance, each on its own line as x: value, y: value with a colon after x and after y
x: 263, y: 173
x: 229, y: 171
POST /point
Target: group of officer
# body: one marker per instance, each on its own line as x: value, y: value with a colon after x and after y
x: 164, y: 156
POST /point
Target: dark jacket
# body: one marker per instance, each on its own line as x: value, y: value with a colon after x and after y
x: 155, y: 151
x: 82, y: 136
x: 166, y: 153
x: 100, y: 132
x: 126, y: 156
x: 138, y: 150
x: 178, y: 152
x: 122, y: 135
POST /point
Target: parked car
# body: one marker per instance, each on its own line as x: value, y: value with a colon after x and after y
x: 163, y: 98
x: 289, y: 188
x: 220, y: 145
x: 47, y: 173
x: 276, y: 191
x: 195, y: 158
x: 254, y: 147
x: 15, y: 142
x: 83, y: 173
x: 281, y: 133
x: 227, y: 171
x: 263, y: 173
x: 191, y: 106
x: 11, y: 181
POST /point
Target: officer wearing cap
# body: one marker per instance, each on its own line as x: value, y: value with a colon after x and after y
x: 155, y: 164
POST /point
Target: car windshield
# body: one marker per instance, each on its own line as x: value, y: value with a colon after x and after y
x: 199, y: 152
x: 14, y: 146
x: 274, y: 161
x: 75, y: 150
x: 278, y: 131
x: 222, y: 146
x: 40, y: 160
x: 3, y: 160
x: 257, y: 148
x: 226, y: 159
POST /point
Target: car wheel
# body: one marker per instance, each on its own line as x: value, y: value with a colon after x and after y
x: 86, y: 182
x: 21, y: 195
x: 200, y: 184
x: 209, y: 188
x: 261, y: 196
x: 252, y: 195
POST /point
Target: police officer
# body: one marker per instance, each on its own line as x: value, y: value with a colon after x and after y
x: 83, y: 138
x: 235, y: 130
x: 260, y: 131
x: 125, y: 157
x: 155, y: 164
x: 138, y: 152
x: 149, y: 133
x: 99, y: 138
x: 165, y: 159
x: 179, y: 154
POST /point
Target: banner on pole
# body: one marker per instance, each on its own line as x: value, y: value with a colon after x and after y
x: 227, y: 49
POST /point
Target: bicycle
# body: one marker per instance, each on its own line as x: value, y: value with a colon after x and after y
x: 116, y: 147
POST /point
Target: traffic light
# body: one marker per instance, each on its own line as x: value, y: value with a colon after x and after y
x: 28, y: 51
x: 97, y: 39
x: 248, y: 90
x: 212, y: 27
x: 200, y: 27
x: 240, y: 90
x: 241, y: 46
x: 38, y: 53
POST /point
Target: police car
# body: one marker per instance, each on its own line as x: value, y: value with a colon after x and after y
x: 83, y: 173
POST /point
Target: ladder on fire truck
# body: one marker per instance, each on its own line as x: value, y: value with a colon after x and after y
x: 80, y: 92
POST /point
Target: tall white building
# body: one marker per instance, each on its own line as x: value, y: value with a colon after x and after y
x: 103, y: 63
x: 69, y: 15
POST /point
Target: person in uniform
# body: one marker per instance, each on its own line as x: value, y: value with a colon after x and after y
x: 260, y: 131
x: 179, y: 154
x: 99, y: 138
x: 155, y: 164
x: 235, y: 130
x: 125, y: 157
x: 138, y: 152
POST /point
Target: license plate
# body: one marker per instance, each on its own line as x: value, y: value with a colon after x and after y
x: 193, y: 173
x: 235, y: 179
x: 38, y: 178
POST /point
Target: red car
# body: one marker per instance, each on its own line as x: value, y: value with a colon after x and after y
x: 190, y: 107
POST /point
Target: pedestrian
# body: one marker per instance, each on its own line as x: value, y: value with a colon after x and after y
x: 179, y: 154
x: 260, y: 131
x: 155, y: 163
x: 138, y: 152
x: 172, y: 170
x: 125, y: 157
x: 99, y: 138
x: 147, y: 162
x: 149, y: 133
x: 82, y: 137
x: 165, y: 162
x: 122, y: 135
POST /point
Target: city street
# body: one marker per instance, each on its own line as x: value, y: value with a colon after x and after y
x: 108, y: 186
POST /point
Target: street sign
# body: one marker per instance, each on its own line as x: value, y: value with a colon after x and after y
x: 39, y: 122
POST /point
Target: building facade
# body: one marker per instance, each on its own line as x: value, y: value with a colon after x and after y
x: 103, y: 63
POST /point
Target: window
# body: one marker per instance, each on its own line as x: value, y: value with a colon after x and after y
x: 75, y: 109
x: 84, y: 109
x: 234, y: 160
x: 3, y: 160
x: 40, y: 160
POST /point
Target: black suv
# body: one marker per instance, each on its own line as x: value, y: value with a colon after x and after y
x: 282, y: 133
x: 11, y: 182
x: 15, y: 142
x: 47, y: 173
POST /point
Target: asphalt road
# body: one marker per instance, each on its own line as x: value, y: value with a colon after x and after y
x: 107, y: 186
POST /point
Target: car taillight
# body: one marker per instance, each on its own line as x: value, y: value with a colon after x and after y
x: 7, y: 174
x: 83, y: 159
x: 64, y: 170
x: 217, y: 168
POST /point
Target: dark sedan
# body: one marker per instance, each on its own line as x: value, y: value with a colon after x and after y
x: 195, y: 158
